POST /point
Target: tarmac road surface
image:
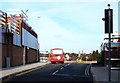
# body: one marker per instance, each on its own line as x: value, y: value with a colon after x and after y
x: 68, y: 72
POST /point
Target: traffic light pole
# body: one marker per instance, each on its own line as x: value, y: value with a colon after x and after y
x: 109, y: 66
x: 109, y: 29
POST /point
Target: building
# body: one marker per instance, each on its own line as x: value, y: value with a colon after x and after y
x: 18, y: 41
x: 44, y: 56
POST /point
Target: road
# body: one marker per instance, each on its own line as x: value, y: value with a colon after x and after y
x: 55, y: 72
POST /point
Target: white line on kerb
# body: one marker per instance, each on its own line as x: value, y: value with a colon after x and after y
x: 87, y: 70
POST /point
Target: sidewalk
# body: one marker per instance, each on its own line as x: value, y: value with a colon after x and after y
x: 9, y: 71
x: 100, y: 74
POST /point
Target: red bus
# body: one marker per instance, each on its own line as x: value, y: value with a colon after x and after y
x: 56, y: 55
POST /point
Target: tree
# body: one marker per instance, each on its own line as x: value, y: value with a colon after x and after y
x: 73, y: 56
x: 95, y: 54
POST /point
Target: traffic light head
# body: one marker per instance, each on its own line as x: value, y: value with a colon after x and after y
x: 108, y: 20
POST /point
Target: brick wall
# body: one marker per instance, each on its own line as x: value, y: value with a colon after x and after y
x: 17, y: 55
x: 4, y: 55
x: 0, y: 55
x: 31, y: 55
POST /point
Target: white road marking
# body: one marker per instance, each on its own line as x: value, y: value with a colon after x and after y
x: 67, y: 65
x: 61, y: 68
x: 55, y: 72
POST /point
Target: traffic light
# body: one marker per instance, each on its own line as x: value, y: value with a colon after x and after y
x: 108, y: 20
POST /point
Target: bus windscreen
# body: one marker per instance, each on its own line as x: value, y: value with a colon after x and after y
x: 57, y: 52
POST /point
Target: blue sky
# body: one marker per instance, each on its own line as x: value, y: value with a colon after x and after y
x: 73, y: 26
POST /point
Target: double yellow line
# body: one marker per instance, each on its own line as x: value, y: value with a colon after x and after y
x: 28, y: 71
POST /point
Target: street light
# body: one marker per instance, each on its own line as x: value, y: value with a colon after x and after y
x: 24, y: 15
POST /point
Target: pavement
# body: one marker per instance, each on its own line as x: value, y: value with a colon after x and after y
x: 100, y: 75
